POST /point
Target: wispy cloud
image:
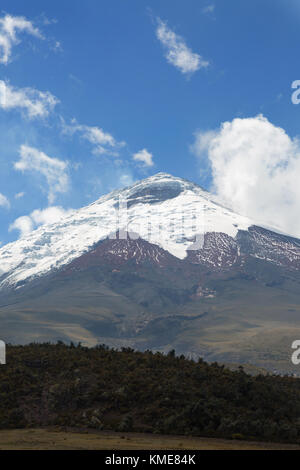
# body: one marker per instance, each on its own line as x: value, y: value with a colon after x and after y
x: 48, y: 21
x: 27, y: 223
x: 19, y: 195
x: 145, y: 157
x: 75, y: 79
x: 56, y: 46
x: 10, y: 29
x: 102, y: 142
x: 177, y: 52
x: 4, y: 202
x: 35, y: 103
x: 209, y: 9
x: 53, y: 169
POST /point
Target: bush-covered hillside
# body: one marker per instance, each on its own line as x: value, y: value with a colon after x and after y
x: 45, y: 384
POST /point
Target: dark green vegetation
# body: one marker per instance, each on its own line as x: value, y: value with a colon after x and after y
x: 104, y: 389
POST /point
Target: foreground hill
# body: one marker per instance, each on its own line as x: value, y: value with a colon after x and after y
x: 128, y: 391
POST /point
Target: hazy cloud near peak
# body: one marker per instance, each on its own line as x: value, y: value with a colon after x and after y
x: 177, y: 52
x: 145, y: 157
x: 255, y: 168
x: 27, y: 223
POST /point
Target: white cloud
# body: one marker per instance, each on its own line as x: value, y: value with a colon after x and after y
x: 28, y: 223
x: 23, y: 224
x: 53, y: 169
x: 10, y: 28
x: 4, y: 202
x: 255, y: 168
x: 144, y: 156
x: 19, y: 195
x: 35, y: 103
x: 177, y: 52
x: 50, y: 215
x: 102, y: 142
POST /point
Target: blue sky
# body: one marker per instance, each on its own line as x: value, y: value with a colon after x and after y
x: 110, y: 74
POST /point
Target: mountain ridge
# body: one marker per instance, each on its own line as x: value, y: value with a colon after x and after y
x: 160, y: 199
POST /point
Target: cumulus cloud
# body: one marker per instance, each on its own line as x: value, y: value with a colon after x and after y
x: 4, y: 202
x: 28, y: 223
x: 10, y: 29
x: 23, y: 224
x: 177, y: 52
x: 102, y: 142
x: 144, y: 156
x: 255, y: 168
x: 35, y: 103
x: 53, y: 169
x: 19, y: 195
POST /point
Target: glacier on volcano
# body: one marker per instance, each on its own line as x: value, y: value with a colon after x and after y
x: 164, y: 210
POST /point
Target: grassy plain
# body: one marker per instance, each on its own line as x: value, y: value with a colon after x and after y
x: 52, y: 439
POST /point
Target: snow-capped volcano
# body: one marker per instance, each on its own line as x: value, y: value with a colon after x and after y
x: 166, y: 211
x: 162, y: 264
